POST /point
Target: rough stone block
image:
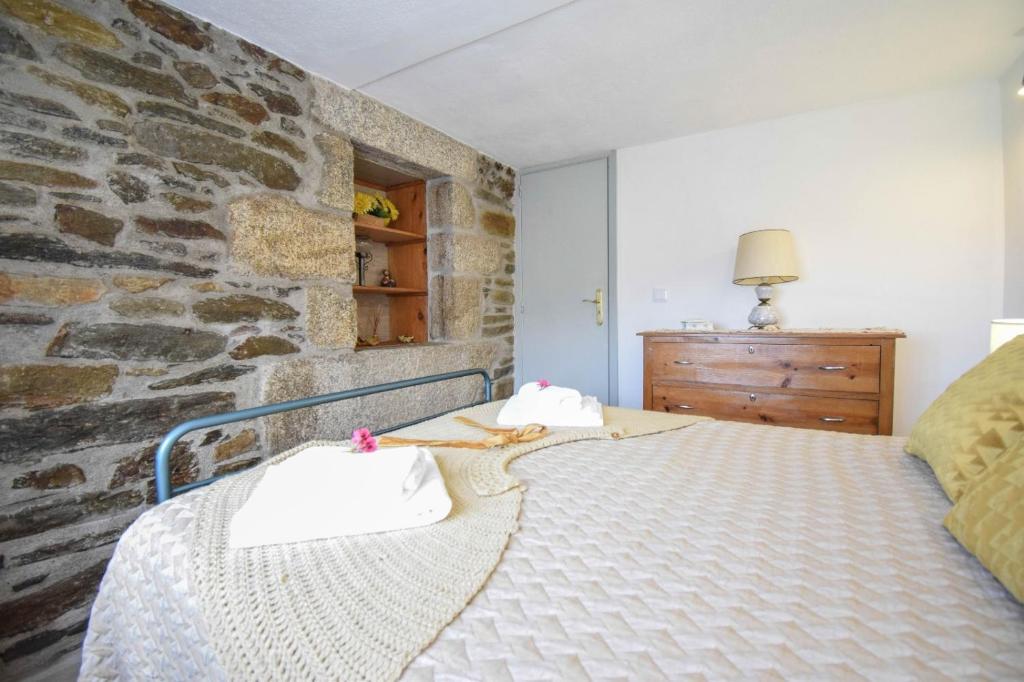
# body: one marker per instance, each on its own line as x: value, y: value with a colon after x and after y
x: 25, y: 319
x: 12, y: 195
x: 336, y: 174
x: 82, y: 426
x: 499, y: 223
x: 496, y: 179
x: 242, y: 308
x: 14, y: 44
x: 139, y: 467
x: 243, y: 442
x: 189, y: 144
x: 128, y: 188
x: 275, y: 236
x: 32, y: 147
x: 373, y: 123
x: 247, y: 109
x: 103, y: 68
x: 83, y: 134
x: 278, y: 102
x: 39, y: 105
x: 147, y: 306
x: 51, y: 291
x: 195, y: 74
x: 118, y: 341
x: 186, y: 204
x: 179, y: 228
x: 46, y: 605
x: 330, y: 318
x: 237, y: 465
x: 303, y: 377
x: 171, y: 24
x: 38, y: 248
x: 279, y: 143
x: 271, y: 61
x: 79, y: 543
x: 45, y: 386
x: 41, y: 175
x: 465, y: 253
x: 56, y: 20
x: 87, y: 224
x: 90, y: 94
x: 210, y: 375
x: 53, y: 478
x: 255, y: 346
x: 173, y: 113
x: 455, y: 307
x: 451, y: 207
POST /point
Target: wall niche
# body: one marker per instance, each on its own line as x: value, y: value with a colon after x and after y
x: 394, y: 314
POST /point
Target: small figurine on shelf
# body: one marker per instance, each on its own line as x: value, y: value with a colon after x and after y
x: 405, y: 339
x: 386, y: 280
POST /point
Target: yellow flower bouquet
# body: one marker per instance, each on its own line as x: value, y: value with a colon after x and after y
x: 376, y: 206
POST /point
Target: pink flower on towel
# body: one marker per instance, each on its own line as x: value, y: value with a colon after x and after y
x: 364, y: 441
x: 543, y: 383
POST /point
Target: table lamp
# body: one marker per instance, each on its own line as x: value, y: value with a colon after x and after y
x: 764, y: 258
x: 1004, y: 330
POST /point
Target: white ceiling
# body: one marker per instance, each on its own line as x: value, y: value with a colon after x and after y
x: 536, y: 81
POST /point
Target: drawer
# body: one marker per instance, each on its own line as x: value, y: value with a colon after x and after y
x: 851, y: 415
x: 801, y: 366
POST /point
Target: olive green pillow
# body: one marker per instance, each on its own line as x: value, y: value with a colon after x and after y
x: 975, y: 420
x: 989, y: 519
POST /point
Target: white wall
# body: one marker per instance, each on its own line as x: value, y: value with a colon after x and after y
x: 1013, y: 164
x: 897, y: 210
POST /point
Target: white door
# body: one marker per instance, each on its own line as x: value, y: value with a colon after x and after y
x: 563, y: 264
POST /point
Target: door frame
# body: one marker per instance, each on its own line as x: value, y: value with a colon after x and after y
x: 611, y: 293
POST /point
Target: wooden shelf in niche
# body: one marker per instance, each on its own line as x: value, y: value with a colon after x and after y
x: 389, y: 291
x: 387, y: 235
x: 404, y: 241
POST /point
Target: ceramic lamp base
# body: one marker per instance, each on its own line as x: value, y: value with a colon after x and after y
x: 763, y: 315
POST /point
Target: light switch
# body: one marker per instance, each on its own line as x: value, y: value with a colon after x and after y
x: 659, y: 295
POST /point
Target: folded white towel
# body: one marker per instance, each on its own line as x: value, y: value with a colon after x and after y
x: 551, y: 406
x: 327, y: 491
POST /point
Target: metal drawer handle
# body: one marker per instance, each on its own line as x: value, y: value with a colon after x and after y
x: 753, y: 397
x: 682, y: 362
x: 832, y: 368
x: 833, y: 420
x: 750, y: 349
x: 686, y: 407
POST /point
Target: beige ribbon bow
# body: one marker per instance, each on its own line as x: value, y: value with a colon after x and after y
x: 499, y: 437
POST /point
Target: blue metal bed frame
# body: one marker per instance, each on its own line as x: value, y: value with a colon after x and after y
x: 164, y: 489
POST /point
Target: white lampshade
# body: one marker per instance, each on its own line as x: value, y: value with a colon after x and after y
x: 765, y: 257
x: 1004, y: 330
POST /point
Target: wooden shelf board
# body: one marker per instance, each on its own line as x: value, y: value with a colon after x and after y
x: 391, y: 344
x: 388, y: 235
x: 388, y: 291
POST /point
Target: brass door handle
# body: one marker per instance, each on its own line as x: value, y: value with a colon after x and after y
x: 598, y: 302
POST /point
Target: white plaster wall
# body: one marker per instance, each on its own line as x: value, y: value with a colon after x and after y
x: 1013, y: 165
x: 897, y: 210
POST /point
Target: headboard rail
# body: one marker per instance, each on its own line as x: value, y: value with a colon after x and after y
x: 165, y: 490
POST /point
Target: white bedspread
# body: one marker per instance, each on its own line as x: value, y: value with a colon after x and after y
x: 723, y: 550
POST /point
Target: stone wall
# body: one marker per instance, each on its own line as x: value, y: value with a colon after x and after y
x: 175, y: 240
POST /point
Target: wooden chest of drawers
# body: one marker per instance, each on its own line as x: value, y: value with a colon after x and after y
x: 834, y: 380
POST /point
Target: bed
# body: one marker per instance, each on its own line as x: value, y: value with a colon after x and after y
x: 719, y: 550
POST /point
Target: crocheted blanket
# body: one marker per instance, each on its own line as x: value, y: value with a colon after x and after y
x: 362, y: 607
